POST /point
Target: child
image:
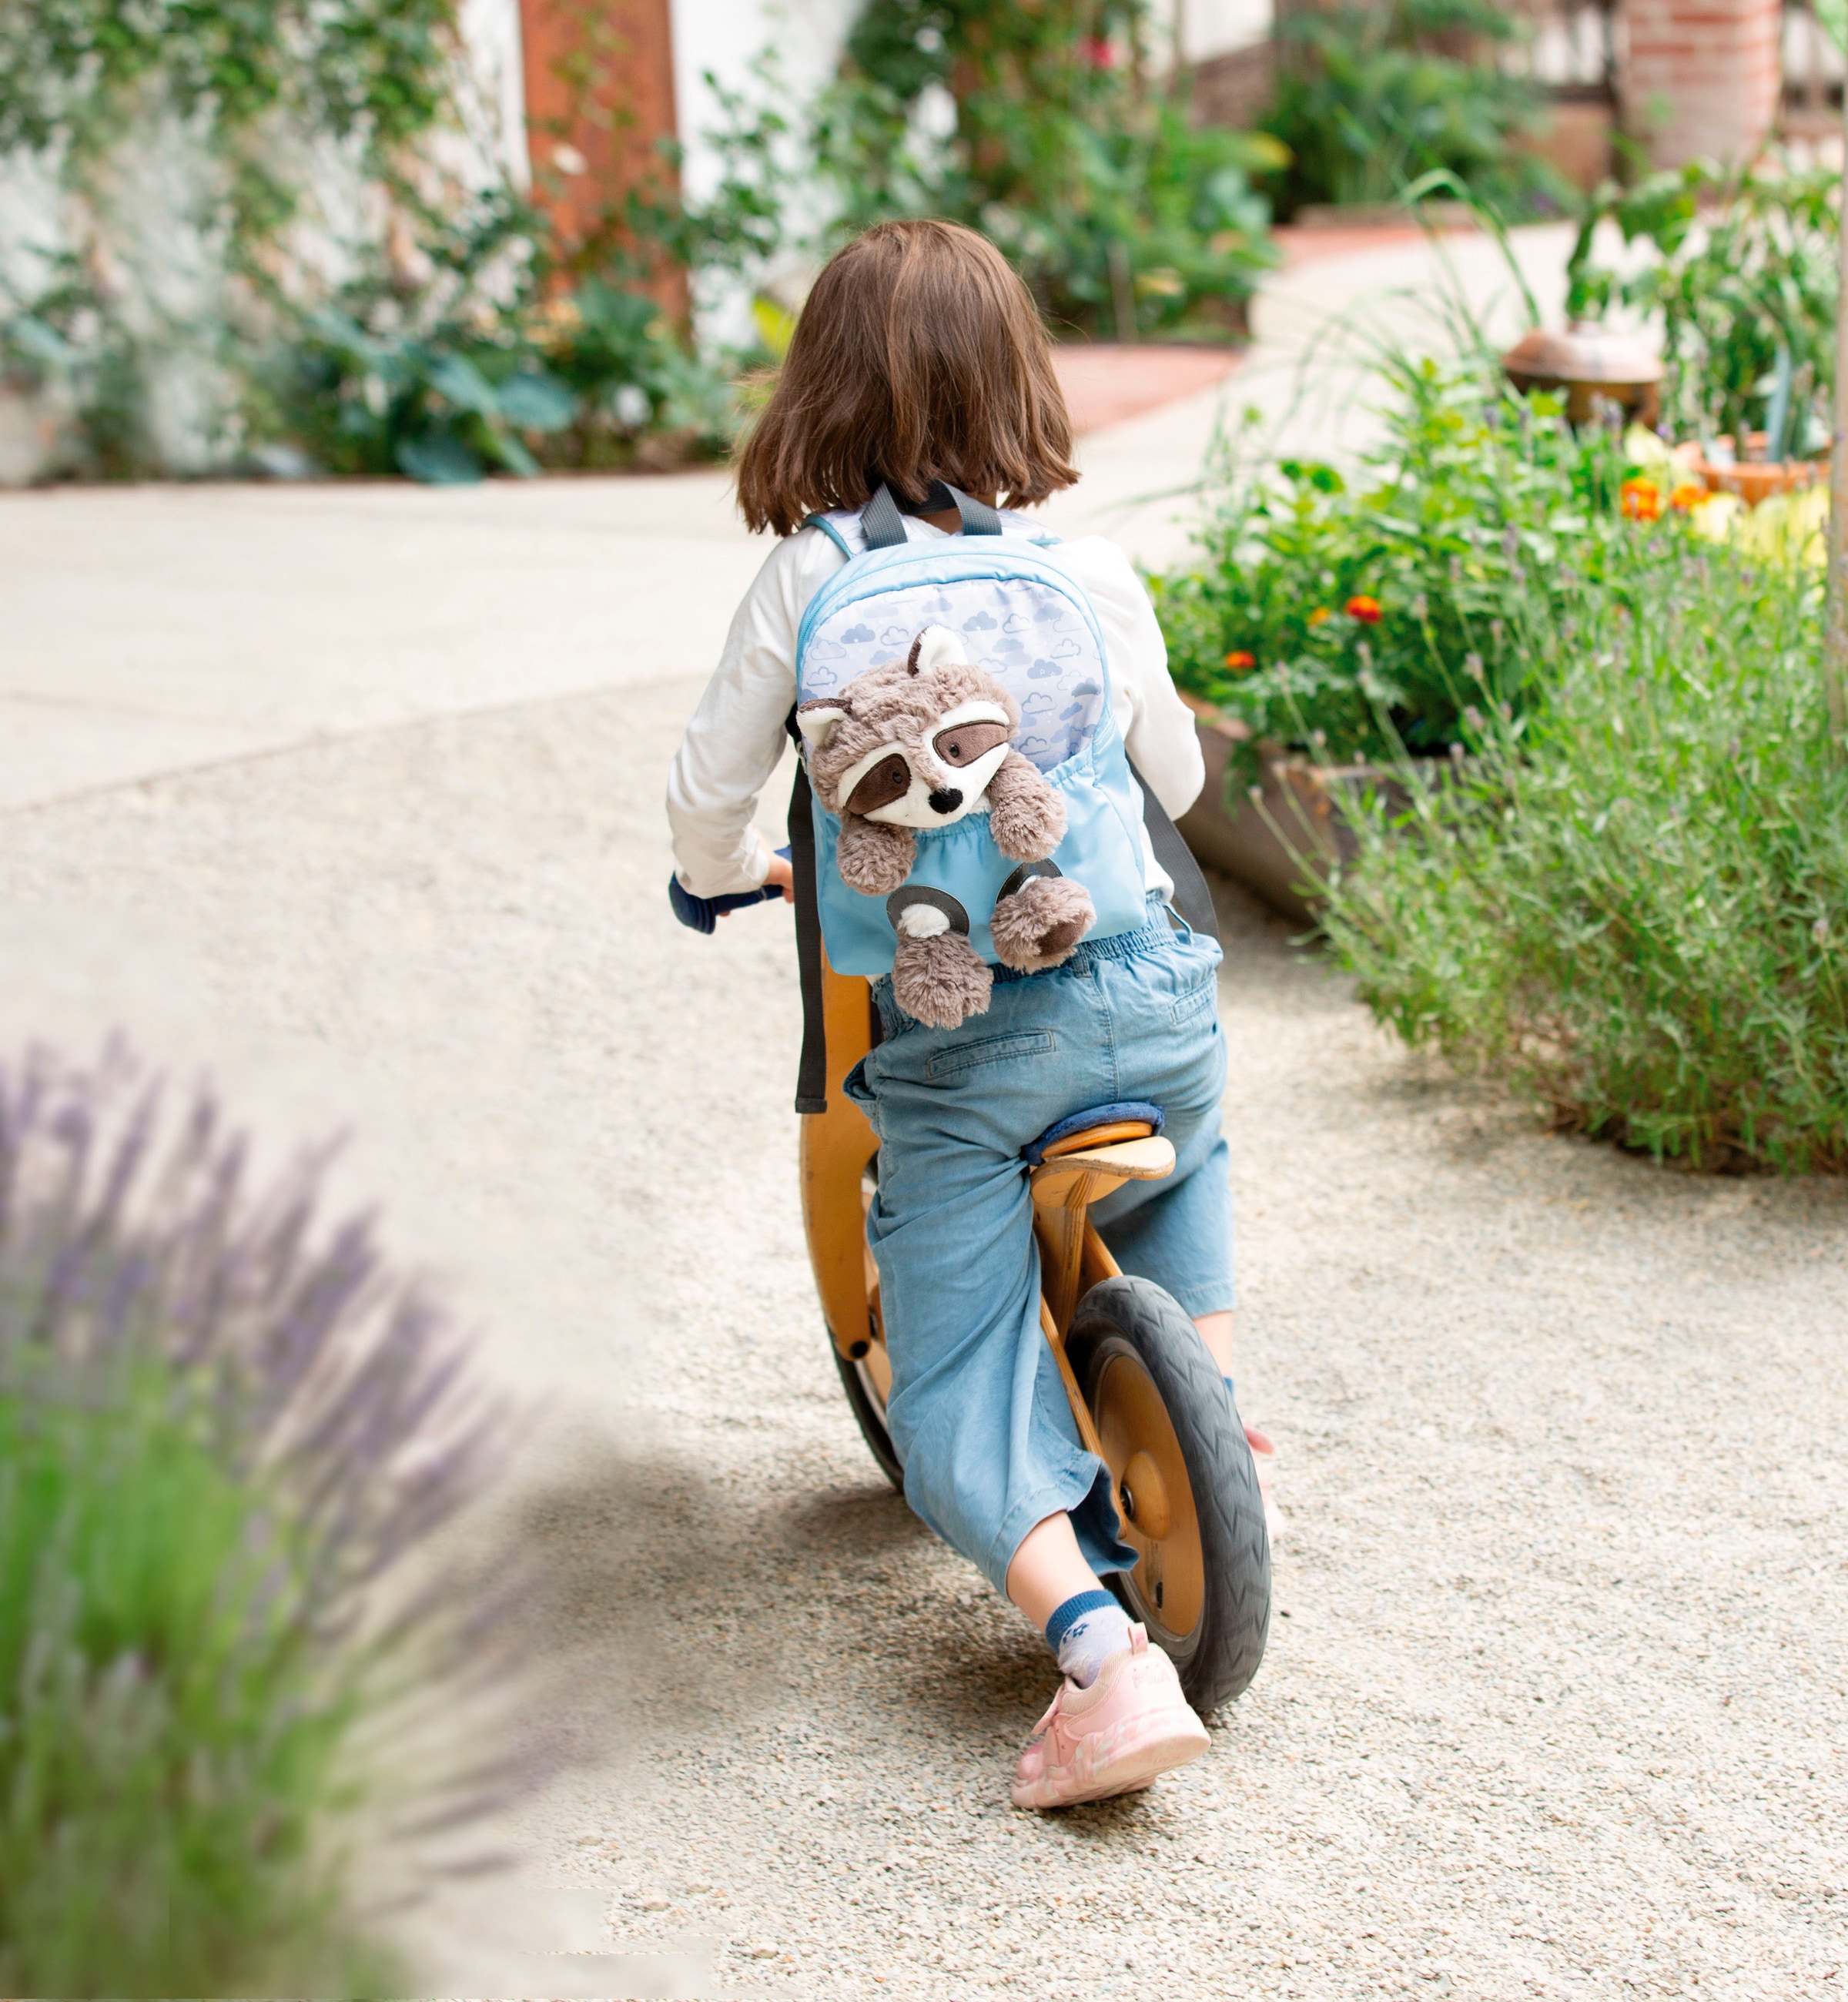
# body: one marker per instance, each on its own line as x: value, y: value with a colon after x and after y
x: 919, y: 364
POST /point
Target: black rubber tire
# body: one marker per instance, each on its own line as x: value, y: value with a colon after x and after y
x: 1218, y: 1659
x: 871, y: 1420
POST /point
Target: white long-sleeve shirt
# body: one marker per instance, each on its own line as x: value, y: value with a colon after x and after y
x: 736, y: 737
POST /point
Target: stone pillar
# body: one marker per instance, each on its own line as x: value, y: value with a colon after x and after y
x: 1701, y: 77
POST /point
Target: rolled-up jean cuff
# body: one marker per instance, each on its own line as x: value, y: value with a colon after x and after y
x: 1215, y: 1298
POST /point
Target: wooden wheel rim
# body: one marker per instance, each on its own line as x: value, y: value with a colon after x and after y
x: 1169, y: 1576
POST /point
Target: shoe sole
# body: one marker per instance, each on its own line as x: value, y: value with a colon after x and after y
x: 1165, y: 1742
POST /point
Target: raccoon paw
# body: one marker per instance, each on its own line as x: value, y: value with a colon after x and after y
x: 1038, y: 925
x: 1027, y: 815
x: 939, y: 980
x: 872, y: 857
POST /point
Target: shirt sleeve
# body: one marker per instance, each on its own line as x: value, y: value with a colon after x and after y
x: 1157, y: 726
x: 736, y: 737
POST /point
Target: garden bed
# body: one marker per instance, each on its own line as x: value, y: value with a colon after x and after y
x: 1294, y: 829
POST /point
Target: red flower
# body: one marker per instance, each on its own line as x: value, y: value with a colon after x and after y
x: 1098, y: 53
x: 1239, y: 660
x: 1365, y: 609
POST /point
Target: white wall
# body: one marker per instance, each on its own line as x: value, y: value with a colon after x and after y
x: 1213, y: 27
x: 725, y: 36
x: 490, y: 32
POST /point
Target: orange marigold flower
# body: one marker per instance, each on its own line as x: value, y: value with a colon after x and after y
x: 1365, y: 609
x: 1238, y: 660
x: 1320, y: 616
x: 1688, y: 495
x: 1641, y: 500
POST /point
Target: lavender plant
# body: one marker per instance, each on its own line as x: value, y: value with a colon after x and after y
x: 223, y: 1430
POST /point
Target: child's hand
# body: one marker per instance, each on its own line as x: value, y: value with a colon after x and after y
x: 780, y: 875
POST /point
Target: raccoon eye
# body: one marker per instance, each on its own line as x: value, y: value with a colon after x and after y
x: 889, y: 779
x: 963, y: 743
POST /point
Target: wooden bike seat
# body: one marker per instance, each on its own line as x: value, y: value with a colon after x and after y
x: 1145, y: 1159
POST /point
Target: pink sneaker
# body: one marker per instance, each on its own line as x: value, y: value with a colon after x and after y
x: 1263, y: 1464
x: 1113, y: 1738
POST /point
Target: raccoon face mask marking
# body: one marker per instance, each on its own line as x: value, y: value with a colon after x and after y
x: 930, y: 777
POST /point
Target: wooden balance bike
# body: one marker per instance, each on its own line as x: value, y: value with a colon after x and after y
x: 1147, y: 1396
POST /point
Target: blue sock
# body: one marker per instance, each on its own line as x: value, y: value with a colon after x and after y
x: 1085, y: 1632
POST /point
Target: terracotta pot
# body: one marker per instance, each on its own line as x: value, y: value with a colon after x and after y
x: 1756, y: 479
x: 1278, y: 844
x: 1588, y: 361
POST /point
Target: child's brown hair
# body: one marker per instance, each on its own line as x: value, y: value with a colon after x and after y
x: 919, y: 356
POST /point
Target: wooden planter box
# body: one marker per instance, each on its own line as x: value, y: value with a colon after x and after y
x: 1293, y: 831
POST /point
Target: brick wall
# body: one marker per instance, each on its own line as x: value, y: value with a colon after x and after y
x: 599, y: 96
x: 1701, y: 76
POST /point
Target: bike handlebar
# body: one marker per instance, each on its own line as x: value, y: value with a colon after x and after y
x: 702, y: 914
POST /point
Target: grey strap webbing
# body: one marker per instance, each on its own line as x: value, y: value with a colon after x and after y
x: 882, y: 520
x: 978, y: 518
x: 811, y: 1074
x: 881, y: 523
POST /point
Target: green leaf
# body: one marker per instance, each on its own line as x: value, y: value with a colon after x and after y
x: 437, y: 458
x: 514, y: 456
x: 1832, y: 16
x: 535, y: 402
x: 458, y: 381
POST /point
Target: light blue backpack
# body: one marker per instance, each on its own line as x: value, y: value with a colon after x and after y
x: 1003, y: 587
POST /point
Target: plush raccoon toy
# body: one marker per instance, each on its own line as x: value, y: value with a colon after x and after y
x: 921, y: 743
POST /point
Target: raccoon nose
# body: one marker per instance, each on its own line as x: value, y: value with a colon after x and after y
x: 947, y: 800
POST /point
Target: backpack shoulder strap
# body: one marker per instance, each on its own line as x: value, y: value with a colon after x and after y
x: 881, y: 523
x: 1192, y: 898
x: 831, y: 532
x: 811, y: 1075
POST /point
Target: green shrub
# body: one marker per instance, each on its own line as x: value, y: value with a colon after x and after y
x: 460, y: 335
x: 1474, y: 530
x: 221, y: 1432
x: 592, y: 377
x: 1743, y: 288
x: 1124, y: 217
x: 1369, y: 98
x: 1632, y: 901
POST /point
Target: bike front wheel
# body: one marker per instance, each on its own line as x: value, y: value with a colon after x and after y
x: 868, y: 1383
x: 1185, y: 1486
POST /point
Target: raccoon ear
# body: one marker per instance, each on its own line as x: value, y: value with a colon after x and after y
x: 933, y: 646
x: 816, y: 719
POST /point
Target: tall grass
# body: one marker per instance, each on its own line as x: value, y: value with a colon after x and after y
x: 222, y: 1431
x: 1632, y: 901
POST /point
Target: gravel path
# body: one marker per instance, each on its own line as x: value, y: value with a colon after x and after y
x: 1555, y: 1704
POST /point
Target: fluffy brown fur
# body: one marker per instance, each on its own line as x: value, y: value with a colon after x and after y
x: 1038, y: 925
x: 902, y: 703
x: 940, y: 982
x: 872, y: 857
x: 1026, y: 814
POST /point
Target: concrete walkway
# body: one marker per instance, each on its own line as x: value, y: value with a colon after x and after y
x: 351, y: 797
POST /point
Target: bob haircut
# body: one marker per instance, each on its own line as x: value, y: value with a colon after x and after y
x: 919, y: 356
